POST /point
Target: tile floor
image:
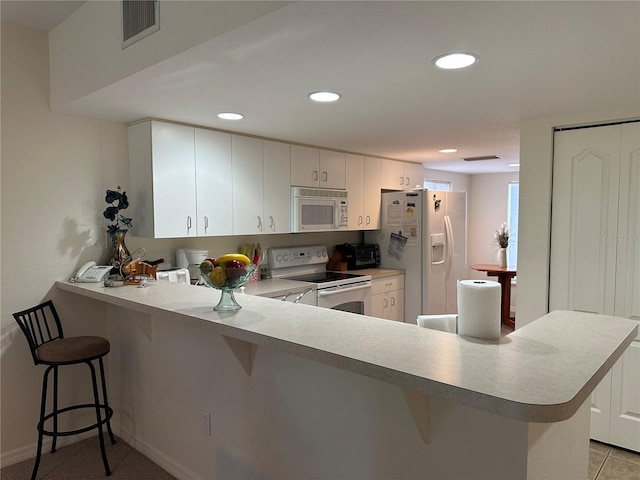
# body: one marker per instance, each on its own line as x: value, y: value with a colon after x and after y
x: 611, y: 463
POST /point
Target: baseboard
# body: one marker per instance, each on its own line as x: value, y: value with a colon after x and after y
x: 25, y: 453
x: 156, y: 456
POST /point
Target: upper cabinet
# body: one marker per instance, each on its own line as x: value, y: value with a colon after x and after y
x: 248, y: 190
x: 313, y: 167
x: 398, y: 175
x: 372, y: 193
x: 355, y: 188
x: 277, y: 187
x: 261, y: 186
x: 213, y: 183
x: 164, y: 162
x: 363, y: 185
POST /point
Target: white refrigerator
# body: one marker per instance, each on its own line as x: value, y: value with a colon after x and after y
x: 424, y: 232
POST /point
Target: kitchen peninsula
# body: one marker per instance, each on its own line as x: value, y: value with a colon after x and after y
x: 296, y: 391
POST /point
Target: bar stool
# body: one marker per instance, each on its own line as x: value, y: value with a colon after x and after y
x: 41, y: 325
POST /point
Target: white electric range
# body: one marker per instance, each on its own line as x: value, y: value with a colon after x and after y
x: 349, y: 292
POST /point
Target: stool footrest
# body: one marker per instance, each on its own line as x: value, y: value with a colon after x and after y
x: 107, y: 416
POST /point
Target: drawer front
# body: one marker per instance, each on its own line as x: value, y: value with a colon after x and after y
x: 387, y: 284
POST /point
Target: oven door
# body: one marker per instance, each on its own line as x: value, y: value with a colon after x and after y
x: 355, y: 299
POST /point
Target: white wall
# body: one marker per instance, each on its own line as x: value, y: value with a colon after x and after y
x: 487, y: 204
x: 55, y: 170
x: 459, y: 181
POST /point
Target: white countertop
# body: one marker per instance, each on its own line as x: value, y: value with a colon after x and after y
x: 540, y: 373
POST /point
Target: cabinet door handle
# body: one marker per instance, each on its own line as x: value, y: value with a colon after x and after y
x: 315, y: 175
x: 368, y: 219
x: 259, y: 223
x: 360, y: 220
x: 206, y: 222
x: 385, y: 304
x: 408, y: 181
x: 325, y: 176
x: 393, y: 301
x: 188, y: 223
x: 401, y: 180
x: 272, y: 223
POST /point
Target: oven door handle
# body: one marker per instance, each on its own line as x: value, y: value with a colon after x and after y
x: 328, y: 291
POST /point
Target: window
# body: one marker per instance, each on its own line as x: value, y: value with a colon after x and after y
x: 512, y: 212
x: 441, y: 185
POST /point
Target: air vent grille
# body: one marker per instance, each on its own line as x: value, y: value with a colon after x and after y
x: 140, y: 18
x: 484, y: 157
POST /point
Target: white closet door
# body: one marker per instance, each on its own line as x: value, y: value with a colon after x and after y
x: 584, y: 219
x: 625, y: 381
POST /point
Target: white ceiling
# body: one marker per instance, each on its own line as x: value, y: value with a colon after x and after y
x: 537, y: 59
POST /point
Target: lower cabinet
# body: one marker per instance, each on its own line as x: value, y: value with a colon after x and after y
x: 387, y: 298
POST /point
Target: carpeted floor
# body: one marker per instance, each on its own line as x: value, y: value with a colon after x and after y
x: 82, y: 461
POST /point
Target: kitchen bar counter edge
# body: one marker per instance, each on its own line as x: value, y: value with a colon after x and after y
x: 511, y: 378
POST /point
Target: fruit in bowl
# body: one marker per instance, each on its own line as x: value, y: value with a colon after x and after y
x: 226, y: 273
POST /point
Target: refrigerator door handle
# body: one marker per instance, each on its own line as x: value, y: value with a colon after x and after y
x: 449, y: 245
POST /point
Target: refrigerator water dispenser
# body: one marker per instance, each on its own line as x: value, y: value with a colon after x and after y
x: 437, y: 248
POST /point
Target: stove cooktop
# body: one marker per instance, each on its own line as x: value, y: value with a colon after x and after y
x: 324, y: 277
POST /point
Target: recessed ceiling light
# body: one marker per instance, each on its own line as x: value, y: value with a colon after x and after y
x: 230, y: 116
x: 448, y: 150
x: 455, y: 60
x: 513, y: 165
x: 324, y: 96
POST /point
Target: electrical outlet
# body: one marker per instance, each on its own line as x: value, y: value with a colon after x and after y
x: 205, y: 422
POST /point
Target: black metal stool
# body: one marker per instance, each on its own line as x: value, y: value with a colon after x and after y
x: 41, y: 325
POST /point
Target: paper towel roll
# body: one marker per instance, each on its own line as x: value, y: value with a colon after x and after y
x: 479, y: 309
x: 444, y: 323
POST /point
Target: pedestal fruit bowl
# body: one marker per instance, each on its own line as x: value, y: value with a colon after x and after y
x: 227, y: 273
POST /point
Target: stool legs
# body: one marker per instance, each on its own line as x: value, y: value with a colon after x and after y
x: 55, y: 408
x: 43, y: 403
x: 54, y: 414
x: 106, y: 401
x: 98, y: 418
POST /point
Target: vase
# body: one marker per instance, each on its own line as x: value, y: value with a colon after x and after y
x: 502, y: 257
x: 119, y: 252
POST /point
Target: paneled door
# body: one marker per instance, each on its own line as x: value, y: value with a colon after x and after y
x: 595, y: 256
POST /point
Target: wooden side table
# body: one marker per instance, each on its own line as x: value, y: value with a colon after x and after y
x: 504, y: 278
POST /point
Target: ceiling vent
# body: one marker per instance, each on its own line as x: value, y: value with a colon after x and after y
x: 140, y: 18
x: 485, y: 157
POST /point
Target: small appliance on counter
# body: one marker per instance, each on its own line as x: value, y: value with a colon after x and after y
x: 179, y: 275
x: 365, y: 255
x: 191, y: 259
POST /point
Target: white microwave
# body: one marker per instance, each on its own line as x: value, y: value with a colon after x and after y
x: 318, y: 209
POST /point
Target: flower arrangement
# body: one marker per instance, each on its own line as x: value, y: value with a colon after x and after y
x: 117, y: 200
x: 502, y: 235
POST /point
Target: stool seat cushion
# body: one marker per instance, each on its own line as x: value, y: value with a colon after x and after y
x: 72, y: 349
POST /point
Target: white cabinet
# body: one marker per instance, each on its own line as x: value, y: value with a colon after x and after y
x: 355, y: 187
x: 413, y: 176
x: 164, y: 163
x: 248, y: 190
x: 363, y: 185
x: 387, y: 298
x: 313, y: 167
x: 213, y: 183
x: 372, y: 193
x: 595, y: 256
x: 398, y: 175
x: 261, y: 186
x: 277, y: 187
